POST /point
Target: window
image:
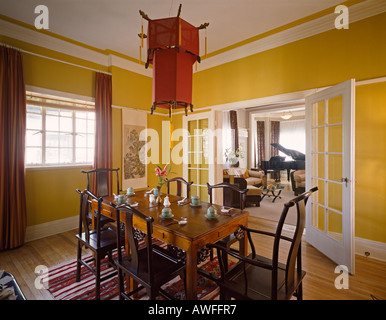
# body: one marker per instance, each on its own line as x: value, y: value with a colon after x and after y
x: 59, y: 131
x: 293, y: 136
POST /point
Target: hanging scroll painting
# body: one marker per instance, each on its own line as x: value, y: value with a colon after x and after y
x: 134, y: 171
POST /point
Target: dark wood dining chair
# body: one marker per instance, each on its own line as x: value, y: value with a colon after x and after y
x: 150, y: 266
x: 179, y: 181
x: 102, y: 176
x: 256, y: 277
x: 228, y: 190
x: 101, y: 241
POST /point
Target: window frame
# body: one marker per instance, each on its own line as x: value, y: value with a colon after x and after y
x: 45, y: 102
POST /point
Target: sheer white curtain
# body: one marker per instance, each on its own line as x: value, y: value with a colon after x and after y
x: 293, y: 136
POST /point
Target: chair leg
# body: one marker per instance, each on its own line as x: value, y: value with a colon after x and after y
x: 183, y: 277
x: 224, y: 295
x: 152, y: 294
x: 225, y: 260
x: 121, y: 285
x: 98, y: 278
x: 299, y: 292
x: 78, y: 264
x: 111, y: 260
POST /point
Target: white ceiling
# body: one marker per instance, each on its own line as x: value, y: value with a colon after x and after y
x: 115, y: 24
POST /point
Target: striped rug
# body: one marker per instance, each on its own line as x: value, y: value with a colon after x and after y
x: 60, y: 281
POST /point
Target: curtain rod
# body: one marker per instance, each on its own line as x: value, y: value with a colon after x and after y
x: 53, y: 59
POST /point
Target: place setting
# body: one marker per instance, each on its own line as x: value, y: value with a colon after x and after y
x: 168, y: 216
x: 125, y: 198
x: 195, y: 201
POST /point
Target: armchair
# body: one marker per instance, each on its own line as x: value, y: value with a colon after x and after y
x: 298, y: 181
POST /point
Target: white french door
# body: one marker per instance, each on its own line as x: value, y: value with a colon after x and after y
x: 330, y: 116
x: 198, y: 152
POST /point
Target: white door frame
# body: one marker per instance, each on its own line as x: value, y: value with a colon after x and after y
x: 211, y: 126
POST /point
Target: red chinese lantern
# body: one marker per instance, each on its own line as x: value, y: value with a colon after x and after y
x: 173, y: 48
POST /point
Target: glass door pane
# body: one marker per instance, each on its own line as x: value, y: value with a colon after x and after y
x: 327, y: 156
x: 198, y: 156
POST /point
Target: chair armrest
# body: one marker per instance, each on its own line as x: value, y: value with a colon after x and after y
x: 241, y: 258
x: 265, y: 233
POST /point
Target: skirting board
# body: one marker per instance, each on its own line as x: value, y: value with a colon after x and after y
x: 371, y: 249
x: 47, y: 229
x: 363, y: 247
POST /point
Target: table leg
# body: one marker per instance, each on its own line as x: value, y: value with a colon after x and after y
x: 131, y: 284
x: 276, y: 195
x: 191, y: 273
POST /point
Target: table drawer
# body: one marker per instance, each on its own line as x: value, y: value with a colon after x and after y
x: 107, y: 213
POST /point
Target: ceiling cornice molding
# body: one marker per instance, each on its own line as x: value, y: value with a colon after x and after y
x: 116, y: 61
x: 357, y: 12
x: 40, y: 39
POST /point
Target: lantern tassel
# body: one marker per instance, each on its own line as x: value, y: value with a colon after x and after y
x: 142, y: 34
x: 171, y: 127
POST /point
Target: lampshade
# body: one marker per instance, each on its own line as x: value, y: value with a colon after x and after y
x: 286, y: 115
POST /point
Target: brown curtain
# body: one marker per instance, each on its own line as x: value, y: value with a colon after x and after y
x: 275, y: 134
x: 103, y: 122
x: 235, y: 129
x: 13, y: 212
x: 260, y: 148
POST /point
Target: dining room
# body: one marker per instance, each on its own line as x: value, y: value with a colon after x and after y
x: 112, y: 166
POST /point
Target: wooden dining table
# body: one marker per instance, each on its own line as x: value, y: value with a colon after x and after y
x: 191, y: 237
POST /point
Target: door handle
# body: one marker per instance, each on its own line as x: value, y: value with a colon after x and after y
x: 344, y: 180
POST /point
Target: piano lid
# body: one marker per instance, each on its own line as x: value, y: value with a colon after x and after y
x: 296, y: 155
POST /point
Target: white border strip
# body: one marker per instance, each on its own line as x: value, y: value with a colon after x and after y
x: 43, y: 40
x: 122, y: 63
x: 43, y: 230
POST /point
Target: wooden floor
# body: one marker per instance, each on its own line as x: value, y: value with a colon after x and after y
x: 369, y: 281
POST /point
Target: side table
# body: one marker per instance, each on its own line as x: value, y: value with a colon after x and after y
x: 272, y: 192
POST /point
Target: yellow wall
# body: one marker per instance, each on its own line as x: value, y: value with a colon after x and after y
x: 51, y: 194
x: 370, y: 159
x: 131, y: 89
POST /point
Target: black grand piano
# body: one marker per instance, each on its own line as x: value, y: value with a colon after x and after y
x: 277, y: 163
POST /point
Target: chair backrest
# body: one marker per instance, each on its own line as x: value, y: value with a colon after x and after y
x: 103, y: 180
x: 133, y: 237
x: 294, y: 253
x: 229, y: 187
x: 179, y: 186
x: 84, y: 226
